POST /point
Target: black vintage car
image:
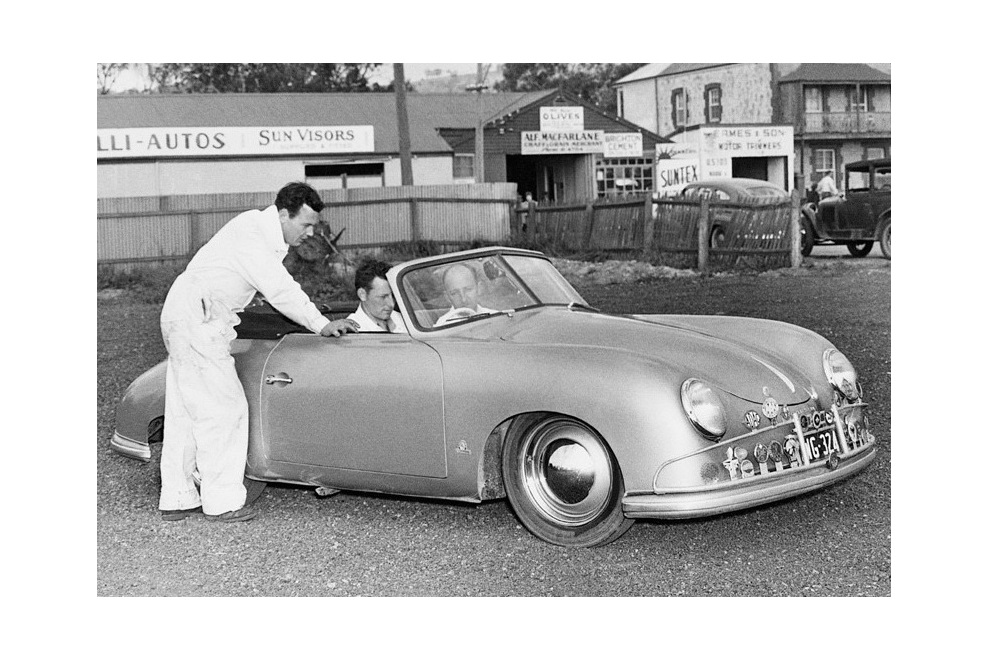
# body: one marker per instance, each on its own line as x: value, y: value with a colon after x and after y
x: 857, y: 218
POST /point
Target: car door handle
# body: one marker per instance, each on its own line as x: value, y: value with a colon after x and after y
x: 278, y: 379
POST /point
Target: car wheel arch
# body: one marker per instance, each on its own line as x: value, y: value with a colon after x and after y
x: 490, y: 474
x: 560, y: 509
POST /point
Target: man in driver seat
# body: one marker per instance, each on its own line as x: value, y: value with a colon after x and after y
x: 461, y: 286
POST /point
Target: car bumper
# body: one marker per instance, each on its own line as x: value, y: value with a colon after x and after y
x: 130, y: 448
x: 694, y: 503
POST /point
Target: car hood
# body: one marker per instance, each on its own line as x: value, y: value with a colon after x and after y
x: 742, y: 368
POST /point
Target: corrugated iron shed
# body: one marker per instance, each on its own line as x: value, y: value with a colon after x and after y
x: 427, y: 112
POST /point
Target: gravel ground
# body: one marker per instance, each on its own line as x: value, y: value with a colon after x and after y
x: 832, y: 543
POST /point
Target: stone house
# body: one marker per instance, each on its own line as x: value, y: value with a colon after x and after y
x: 840, y: 112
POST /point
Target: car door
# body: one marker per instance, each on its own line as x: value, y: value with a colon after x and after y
x: 855, y: 215
x: 367, y: 402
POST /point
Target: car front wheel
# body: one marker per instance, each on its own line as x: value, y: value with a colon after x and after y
x: 717, y: 238
x: 808, y: 239
x: 860, y: 249
x: 563, y: 482
x: 885, y: 240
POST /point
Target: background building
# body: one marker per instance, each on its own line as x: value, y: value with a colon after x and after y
x: 553, y: 145
x: 838, y: 112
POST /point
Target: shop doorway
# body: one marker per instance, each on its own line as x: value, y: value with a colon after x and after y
x: 772, y: 169
x: 750, y: 167
x: 525, y: 171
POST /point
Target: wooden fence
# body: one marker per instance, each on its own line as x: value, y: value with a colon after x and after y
x: 137, y: 231
x: 760, y: 235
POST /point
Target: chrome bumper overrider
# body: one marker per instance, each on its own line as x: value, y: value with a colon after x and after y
x: 130, y: 448
x: 695, y: 502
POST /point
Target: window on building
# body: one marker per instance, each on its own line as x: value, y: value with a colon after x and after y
x: 824, y: 161
x: 621, y: 103
x: 814, y: 100
x: 713, y: 103
x: 623, y: 175
x: 345, y: 174
x: 858, y: 97
x: 874, y: 152
x: 678, y: 102
x: 463, y: 166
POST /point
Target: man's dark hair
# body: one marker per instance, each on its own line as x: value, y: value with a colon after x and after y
x: 292, y: 196
x: 368, y: 270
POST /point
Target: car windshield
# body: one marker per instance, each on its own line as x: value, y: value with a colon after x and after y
x: 466, y: 289
x: 858, y: 181
x: 766, y: 192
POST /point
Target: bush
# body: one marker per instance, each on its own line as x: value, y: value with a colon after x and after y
x: 147, y: 285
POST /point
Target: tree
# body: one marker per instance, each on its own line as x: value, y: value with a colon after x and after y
x: 590, y: 81
x: 261, y: 77
x: 107, y: 74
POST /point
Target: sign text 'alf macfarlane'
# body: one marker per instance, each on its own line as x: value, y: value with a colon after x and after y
x: 540, y: 143
x: 211, y: 141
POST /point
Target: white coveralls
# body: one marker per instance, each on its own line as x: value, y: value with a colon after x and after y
x: 206, y: 415
x: 367, y: 325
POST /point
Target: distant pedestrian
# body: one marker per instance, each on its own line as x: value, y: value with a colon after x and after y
x: 826, y: 186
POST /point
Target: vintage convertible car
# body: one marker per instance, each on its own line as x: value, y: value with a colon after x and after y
x: 585, y: 421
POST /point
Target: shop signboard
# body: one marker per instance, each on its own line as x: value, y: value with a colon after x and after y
x: 560, y: 118
x: 677, y: 164
x: 147, y: 142
x: 547, y: 143
x: 719, y: 145
x: 623, y: 144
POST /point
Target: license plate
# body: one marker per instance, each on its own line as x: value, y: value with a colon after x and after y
x: 819, y: 444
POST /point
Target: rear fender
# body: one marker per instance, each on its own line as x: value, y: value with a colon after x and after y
x: 141, y: 403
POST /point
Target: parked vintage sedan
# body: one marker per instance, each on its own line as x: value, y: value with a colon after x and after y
x: 584, y: 420
x: 735, y: 190
x: 861, y: 216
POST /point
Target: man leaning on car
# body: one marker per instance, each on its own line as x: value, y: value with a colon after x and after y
x: 205, y: 418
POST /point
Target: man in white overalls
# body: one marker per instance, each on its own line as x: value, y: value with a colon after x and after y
x: 205, y: 420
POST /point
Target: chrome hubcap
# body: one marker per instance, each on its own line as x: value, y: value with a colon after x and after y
x: 567, y: 472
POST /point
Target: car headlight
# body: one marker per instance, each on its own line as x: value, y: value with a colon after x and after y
x: 840, y: 373
x: 704, y: 408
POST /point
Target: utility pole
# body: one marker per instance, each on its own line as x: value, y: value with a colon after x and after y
x: 479, y: 87
x: 402, y: 124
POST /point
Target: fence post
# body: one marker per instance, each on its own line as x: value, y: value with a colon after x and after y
x: 588, y: 226
x: 193, y: 231
x: 414, y: 219
x: 647, y: 224
x: 532, y: 229
x: 703, y: 236
x: 794, y: 227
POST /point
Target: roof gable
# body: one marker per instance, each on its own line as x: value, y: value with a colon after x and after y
x: 836, y: 72
x: 657, y: 69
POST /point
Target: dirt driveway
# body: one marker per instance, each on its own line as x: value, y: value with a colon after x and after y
x: 835, y: 542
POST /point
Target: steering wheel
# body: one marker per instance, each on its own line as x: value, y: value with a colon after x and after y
x: 461, y: 313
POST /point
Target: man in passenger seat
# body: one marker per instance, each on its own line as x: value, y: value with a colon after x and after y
x: 376, y: 313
